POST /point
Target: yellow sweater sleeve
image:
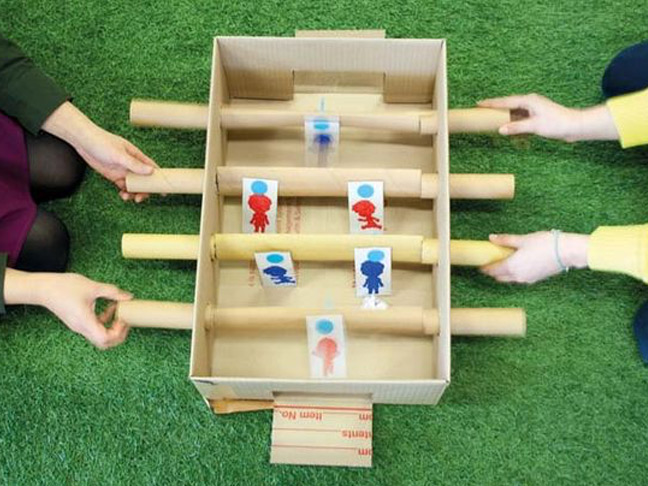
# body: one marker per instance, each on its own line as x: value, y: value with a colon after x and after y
x: 621, y: 249
x: 630, y: 114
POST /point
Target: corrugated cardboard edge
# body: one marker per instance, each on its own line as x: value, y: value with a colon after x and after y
x: 356, y: 34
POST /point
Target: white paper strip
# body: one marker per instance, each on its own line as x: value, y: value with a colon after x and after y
x: 326, y: 346
x: 366, y: 207
x: 276, y: 269
x: 373, y: 271
x: 259, y: 205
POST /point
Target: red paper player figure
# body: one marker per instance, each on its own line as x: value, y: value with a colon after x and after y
x: 259, y: 204
x: 327, y: 350
x: 365, y: 208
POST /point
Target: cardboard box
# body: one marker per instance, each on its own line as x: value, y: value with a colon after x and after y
x: 355, y: 74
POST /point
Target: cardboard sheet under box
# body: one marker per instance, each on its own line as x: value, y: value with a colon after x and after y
x: 270, y: 73
x: 323, y: 430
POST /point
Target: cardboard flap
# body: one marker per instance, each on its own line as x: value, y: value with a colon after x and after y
x: 226, y: 405
x: 262, y: 68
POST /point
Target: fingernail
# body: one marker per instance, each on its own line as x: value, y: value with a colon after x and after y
x: 504, y: 130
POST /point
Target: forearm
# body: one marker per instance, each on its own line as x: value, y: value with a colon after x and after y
x: 70, y: 124
x: 24, y: 287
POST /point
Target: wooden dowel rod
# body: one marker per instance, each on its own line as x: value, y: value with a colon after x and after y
x: 310, y: 247
x: 190, y: 115
x: 407, y: 320
x: 326, y: 182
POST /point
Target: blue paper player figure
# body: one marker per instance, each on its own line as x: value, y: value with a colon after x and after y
x: 277, y: 273
x: 373, y: 269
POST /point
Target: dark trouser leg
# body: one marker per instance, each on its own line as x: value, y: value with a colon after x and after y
x: 628, y: 71
x: 47, y: 246
x: 55, y: 168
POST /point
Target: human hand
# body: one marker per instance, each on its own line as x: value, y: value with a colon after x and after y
x: 546, y: 118
x: 551, y: 120
x: 72, y: 298
x: 536, y: 256
x: 113, y: 157
x: 110, y: 155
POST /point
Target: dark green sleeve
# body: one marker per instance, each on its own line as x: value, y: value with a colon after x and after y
x: 26, y: 92
x: 3, y: 266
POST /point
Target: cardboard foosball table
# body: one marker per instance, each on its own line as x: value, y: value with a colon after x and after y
x: 249, y: 344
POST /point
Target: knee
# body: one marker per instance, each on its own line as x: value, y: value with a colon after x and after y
x: 627, y: 72
x: 47, y: 246
x: 56, y: 169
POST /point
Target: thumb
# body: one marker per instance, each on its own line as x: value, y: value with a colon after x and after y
x: 112, y: 292
x: 512, y: 241
x: 514, y: 128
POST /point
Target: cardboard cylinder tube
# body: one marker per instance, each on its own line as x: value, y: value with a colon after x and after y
x: 324, y: 182
x: 477, y: 120
x: 167, y: 181
x: 314, y: 247
x: 194, y: 116
x: 168, y: 114
x: 309, y: 247
x: 160, y: 247
x: 406, y: 320
x: 476, y: 253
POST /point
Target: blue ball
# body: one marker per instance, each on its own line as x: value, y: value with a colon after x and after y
x: 321, y: 125
x: 324, y: 326
x: 275, y: 258
x: 259, y: 187
x: 365, y: 190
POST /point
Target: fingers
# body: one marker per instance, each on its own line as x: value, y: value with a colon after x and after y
x: 141, y: 156
x: 138, y: 197
x: 99, y: 335
x: 497, y: 270
x: 510, y: 102
x: 526, y: 125
x: 512, y: 241
x: 112, y: 292
x: 135, y: 165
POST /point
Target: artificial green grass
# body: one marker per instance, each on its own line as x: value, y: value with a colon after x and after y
x: 566, y: 405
